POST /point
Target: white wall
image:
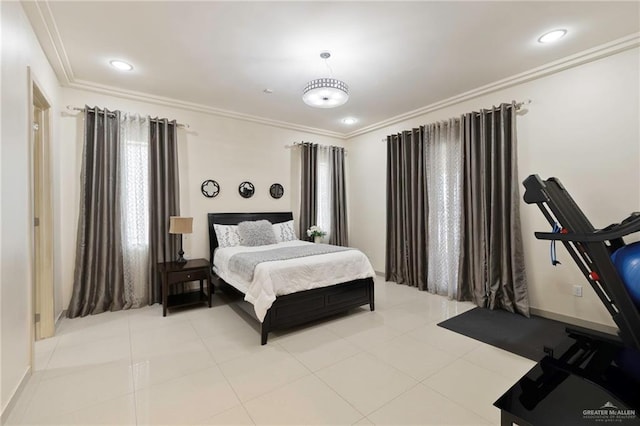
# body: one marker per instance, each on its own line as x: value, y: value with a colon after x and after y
x: 227, y: 150
x: 20, y: 49
x: 583, y: 127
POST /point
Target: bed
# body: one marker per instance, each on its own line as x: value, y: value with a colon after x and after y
x: 288, y: 310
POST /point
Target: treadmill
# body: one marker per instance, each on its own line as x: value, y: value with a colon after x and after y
x: 593, y: 377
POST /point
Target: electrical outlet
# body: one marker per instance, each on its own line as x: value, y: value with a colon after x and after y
x: 577, y: 290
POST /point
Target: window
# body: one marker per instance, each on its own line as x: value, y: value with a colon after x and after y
x: 135, y: 197
x: 324, y: 191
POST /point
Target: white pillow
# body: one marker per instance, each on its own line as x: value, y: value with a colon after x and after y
x: 227, y: 235
x: 284, y: 231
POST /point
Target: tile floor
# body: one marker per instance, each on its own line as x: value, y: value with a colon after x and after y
x: 205, y: 366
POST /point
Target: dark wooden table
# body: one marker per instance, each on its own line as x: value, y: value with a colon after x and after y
x: 585, y: 382
x: 193, y: 270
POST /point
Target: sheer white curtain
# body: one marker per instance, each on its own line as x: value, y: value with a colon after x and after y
x: 134, y: 149
x: 324, y: 190
x: 444, y: 189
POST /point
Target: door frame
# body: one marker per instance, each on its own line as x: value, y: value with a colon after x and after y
x: 42, y: 277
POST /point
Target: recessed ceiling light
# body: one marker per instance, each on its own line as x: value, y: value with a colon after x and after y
x: 349, y: 120
x: 121, y: 65
x: 552, y: 36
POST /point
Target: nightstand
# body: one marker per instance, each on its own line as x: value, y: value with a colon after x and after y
x: 174, y: 273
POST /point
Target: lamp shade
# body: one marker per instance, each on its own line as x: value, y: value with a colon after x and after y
x: 180, y: 225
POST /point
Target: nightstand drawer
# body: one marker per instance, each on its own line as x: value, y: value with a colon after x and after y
x: 178, y: 277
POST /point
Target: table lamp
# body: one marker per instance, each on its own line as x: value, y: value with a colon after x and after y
x: 180, y: 225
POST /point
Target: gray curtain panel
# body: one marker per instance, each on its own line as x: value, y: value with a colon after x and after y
x: 164, y: 200
x: 492, y: 272
x: 308, y: 188
x: 98, y: 283
x: 339, y: 234
x: 407, y: 209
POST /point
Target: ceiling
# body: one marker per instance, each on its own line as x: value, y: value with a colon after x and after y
x: 396, y: 57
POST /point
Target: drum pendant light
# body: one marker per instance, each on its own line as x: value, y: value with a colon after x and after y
x: 325, y: 92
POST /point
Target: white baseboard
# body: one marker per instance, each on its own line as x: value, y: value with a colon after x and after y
x: 574, y: 321
x: 60, y: 315
x: 563, y: 318
x: 6, y: 410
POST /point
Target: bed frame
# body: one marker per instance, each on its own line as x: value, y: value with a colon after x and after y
x: 297, y: 308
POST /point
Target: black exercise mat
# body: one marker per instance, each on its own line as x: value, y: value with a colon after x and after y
x: 512, y: 332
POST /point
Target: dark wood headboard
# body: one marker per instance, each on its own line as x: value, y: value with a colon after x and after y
x: 236, y: 218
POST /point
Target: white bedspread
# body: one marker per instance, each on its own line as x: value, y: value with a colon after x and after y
x: 281, y: 277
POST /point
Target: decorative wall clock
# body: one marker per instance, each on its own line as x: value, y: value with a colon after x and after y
x: 276, y: 191
x: 210, y: 188
x: 246, y: 189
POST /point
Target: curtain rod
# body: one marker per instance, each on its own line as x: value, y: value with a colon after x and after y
x: 521, y: 104
x: 72, y: 108
x: 518, y: 106
x: 294, y: 144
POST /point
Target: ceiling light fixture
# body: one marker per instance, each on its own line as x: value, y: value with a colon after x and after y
x: 326, y: 92
x: 552, y: 36
x: 349, y: 120
x: 121, y: 65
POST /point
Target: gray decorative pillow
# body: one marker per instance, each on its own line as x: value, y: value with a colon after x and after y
x: 284, y: 231
x: 256, y: 233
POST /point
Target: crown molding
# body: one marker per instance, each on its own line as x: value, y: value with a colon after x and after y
x: 616, y: 46
x: 195, y: 107
x: 44, y: 25
x: 39, y: 13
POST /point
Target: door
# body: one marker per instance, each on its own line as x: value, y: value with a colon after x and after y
x: 43, y: 303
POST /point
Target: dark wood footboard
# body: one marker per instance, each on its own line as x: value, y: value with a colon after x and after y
x: 298, y: 308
